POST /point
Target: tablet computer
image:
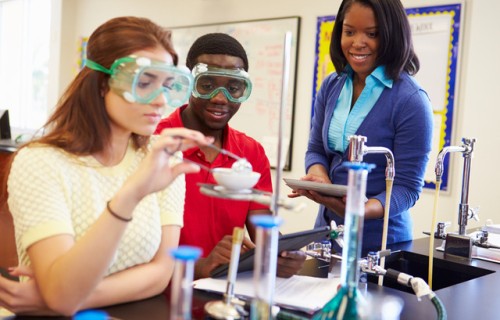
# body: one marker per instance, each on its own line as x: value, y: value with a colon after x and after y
x: 336, y: 190
x: 287, y: 242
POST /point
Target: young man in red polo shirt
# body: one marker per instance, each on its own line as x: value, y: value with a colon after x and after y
x: 220, y: 66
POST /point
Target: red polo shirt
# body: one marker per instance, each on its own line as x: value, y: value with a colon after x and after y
x: 208, y: 219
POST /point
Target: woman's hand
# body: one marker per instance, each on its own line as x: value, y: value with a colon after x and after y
x: 335, y: 204
x: 22, y: 297
x: 314, y: 177
x: 156, y: 171
x: 318, y: 173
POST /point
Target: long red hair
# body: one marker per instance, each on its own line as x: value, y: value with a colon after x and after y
x: 80, y: 124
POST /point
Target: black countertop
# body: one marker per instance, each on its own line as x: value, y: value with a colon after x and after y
x: 473, y: 299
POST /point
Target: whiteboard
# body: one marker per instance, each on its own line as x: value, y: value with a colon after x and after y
x: 263, y: 40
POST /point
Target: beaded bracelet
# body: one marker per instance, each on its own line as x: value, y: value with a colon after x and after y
x: 117, y: 216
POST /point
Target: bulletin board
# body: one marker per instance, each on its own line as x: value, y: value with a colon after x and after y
x: 82, y: 53
x: 436, y: 37
x: 263, y: 41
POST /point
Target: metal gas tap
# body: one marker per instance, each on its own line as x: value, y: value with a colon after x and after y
x: 357, y: 149
x: 466, y: 149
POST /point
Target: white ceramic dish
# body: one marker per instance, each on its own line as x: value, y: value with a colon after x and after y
x: 336, y: 190
x: 235, y: 181
x: 224, y: 190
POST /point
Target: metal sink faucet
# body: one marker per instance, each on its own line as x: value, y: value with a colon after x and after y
x: 357, y: 149
x: 466, y: 149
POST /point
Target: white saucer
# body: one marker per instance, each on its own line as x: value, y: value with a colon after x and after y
x: 222, y: 189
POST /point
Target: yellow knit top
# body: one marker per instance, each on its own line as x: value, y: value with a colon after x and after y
x: 52, y: 192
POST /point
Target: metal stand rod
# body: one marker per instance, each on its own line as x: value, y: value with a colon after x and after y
x: 284, y: 93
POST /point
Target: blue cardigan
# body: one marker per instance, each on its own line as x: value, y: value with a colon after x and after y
x: 401, y: 120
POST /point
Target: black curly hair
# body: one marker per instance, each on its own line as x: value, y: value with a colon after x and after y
x: 216, y: 43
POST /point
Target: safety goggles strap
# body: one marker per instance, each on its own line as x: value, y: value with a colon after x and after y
x: 97, y: 67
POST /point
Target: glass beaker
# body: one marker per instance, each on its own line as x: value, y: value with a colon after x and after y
x: 182, y: 281
x: 347, y: 301
x: 266, y: 258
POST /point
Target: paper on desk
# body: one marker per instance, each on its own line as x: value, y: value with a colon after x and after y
x: 307, y: 294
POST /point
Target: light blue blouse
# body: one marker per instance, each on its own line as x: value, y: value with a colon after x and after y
x: 345, y: 122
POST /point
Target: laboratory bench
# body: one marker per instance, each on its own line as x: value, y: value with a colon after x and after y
x: 468, y: 289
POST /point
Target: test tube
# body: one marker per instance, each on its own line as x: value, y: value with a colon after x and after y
x: 266, y: 257
x: 347, y: 302
x: 354, y: 220
x: 182, y: 281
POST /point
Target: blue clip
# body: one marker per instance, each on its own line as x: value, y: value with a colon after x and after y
x: 358, y: 166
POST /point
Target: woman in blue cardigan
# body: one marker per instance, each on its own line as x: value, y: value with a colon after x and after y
x: 372, y: 94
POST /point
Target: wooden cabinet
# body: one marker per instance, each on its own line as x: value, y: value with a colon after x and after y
x: 8, y: 254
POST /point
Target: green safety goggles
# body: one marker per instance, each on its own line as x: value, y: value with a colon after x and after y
x: 142, y: 80
x: 235, y: 84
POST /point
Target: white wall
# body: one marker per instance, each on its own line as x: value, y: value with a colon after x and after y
x: 476, y: 112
